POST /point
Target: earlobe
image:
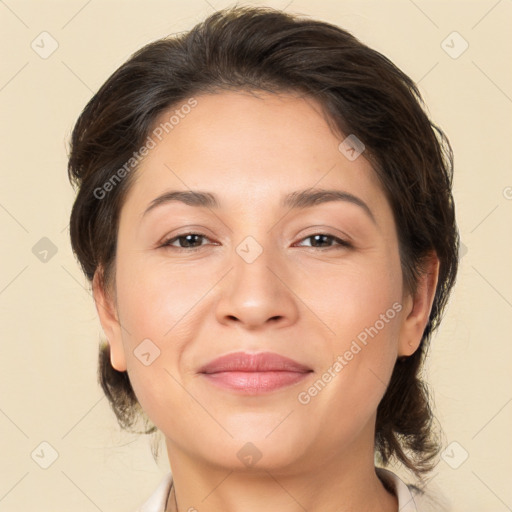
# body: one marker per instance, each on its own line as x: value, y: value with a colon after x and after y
x: 109, y: 321
x: 418, y: 309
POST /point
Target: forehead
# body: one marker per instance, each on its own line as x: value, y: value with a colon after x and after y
x: 240, y: 145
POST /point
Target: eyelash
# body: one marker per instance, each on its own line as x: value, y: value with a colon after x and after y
x: 342, y: 244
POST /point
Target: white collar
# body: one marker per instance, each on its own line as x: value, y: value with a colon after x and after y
x: 157, y: 501
x: 403, y: 494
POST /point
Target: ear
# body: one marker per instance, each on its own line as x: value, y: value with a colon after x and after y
x: 109, y: 321
x: 417, y: 308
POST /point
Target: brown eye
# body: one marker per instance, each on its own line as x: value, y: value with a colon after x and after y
x: 185, y: 241
x: 324, y: 241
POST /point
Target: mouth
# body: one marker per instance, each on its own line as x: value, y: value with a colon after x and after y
x: 254, y: 373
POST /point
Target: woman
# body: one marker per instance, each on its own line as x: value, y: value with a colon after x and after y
x: 264, y: 211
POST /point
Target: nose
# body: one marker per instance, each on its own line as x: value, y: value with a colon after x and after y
x: 257, y: 294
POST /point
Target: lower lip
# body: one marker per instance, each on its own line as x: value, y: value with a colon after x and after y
x: 253, y: 383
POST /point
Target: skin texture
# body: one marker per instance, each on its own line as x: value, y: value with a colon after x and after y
x: 304, y: 302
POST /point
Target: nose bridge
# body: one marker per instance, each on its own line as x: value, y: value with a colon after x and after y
x: 252, y: 262
x: 254, y: 294
x: 253, y: 281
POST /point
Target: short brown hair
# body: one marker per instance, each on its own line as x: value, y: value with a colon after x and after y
x: 362, y: 92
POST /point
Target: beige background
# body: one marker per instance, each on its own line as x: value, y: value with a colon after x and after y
x: 48, y: 390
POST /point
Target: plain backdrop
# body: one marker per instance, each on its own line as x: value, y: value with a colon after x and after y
x: 54, y: 56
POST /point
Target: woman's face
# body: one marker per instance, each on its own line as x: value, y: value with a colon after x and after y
x: 259, y: 268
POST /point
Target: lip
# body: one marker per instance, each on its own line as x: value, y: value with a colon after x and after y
x: 254, y: 373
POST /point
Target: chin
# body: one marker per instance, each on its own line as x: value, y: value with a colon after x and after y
x: 254, y: 449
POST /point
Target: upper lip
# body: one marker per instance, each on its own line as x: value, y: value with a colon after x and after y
x: 260, y: 362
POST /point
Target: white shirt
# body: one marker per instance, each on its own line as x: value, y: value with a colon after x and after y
x: 406, y: 501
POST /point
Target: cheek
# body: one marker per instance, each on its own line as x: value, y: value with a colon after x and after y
x: 155, y: 297
x: 362, y: 307
x: 351, y: 296
x: 160, y: 306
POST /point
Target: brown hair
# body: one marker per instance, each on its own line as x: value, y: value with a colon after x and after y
x: 362, y: 92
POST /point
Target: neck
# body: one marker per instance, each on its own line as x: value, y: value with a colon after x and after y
x: 340, y: 484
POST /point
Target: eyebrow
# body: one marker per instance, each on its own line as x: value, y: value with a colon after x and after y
x: 299, y: 199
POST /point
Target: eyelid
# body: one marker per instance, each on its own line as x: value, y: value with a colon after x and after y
x: 166, y: 242
x: 322, y: 229
x: 184, y: 230
x: 340, y: 242
x: 218, y: 239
